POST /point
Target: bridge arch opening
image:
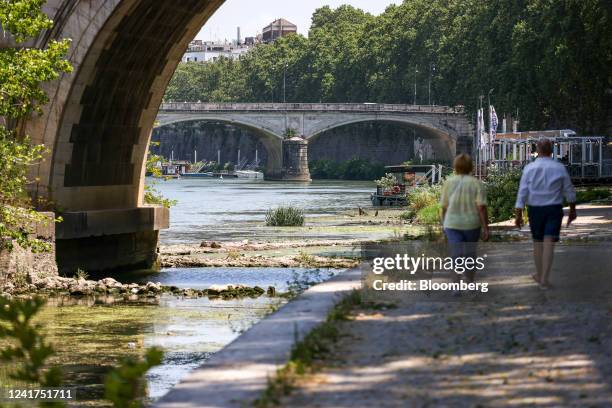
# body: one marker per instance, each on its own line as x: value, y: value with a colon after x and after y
x: 271, y: 143
x: 384, y: 141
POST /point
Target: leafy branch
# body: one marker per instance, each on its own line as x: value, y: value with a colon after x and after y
x: 22, y: 71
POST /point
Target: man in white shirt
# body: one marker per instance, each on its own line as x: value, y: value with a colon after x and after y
x: 544, y: 185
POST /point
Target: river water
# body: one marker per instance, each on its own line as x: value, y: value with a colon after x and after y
x: 233, y: 209
x: 92, y: 335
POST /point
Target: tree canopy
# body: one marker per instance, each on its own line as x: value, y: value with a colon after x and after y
x: 22, y: 71
x: 550, y: 60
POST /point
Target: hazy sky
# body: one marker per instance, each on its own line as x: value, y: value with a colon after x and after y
x: 252, y: 16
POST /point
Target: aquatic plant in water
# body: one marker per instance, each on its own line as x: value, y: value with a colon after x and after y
x: 288, y: 216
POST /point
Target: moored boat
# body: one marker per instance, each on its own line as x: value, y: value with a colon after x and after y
x: 249, y: 174
x: 392, y: 190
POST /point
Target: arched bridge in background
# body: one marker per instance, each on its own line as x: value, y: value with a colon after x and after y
x: 98, y: 122
x: 447, y: 129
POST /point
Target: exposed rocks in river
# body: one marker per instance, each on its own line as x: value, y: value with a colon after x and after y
x: 210, y: 244
x: 109, y: 286
x: 245, y: 254
x: 190, y: 249
x: 255, y: 261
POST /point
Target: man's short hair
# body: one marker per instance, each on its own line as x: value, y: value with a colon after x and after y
x: 544, y: 147
x: 463, y: 164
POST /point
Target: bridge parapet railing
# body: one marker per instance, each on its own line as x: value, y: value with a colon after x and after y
x: 301, y: 107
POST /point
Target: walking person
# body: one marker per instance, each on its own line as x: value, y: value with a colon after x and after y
x: 464, y: 211
x: 544, y: 185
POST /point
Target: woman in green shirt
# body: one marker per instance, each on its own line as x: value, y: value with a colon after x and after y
x: 464, y: 210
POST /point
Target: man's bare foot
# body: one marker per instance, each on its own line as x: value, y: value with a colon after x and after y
x: 535, y: 279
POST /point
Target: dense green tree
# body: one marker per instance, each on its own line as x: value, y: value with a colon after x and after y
x: 353, y: 169
x: 547, y: 59
x: 22, y: 71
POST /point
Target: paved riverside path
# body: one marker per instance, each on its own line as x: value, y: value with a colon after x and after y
x: 594, y: 222
x: 516, y: 346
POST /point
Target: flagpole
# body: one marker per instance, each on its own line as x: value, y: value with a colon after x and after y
x: 480, y: 150
x: 477, y: 145
x: 491, y: 151
x: 491, y: 147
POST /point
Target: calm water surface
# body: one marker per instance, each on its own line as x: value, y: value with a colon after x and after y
x: 230, y: 209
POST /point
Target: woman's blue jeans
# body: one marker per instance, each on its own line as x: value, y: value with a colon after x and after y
x: 462, y: 244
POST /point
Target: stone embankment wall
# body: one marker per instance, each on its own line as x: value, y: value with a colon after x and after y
x: 21, y: 264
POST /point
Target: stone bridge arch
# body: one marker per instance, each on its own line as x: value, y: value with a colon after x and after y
x: 98, y: 123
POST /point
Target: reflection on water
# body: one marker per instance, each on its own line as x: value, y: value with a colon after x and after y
x: 212, y: 209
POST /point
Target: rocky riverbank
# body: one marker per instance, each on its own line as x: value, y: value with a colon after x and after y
x: 246, y: 245
x: 78, y: 287
x: 261, y: 254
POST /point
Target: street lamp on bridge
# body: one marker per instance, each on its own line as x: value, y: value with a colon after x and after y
x: 432, y: 68
x: 285, y: 82
x: 416, y: 71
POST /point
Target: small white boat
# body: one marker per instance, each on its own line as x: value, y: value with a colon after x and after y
x: 249, y: 174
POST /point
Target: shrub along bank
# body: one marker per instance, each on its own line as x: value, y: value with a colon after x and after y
x: 502, y: 187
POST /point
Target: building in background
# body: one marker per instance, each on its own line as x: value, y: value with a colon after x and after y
x: 277, y: 29
x: 206, y: 51
x: 250, y: 40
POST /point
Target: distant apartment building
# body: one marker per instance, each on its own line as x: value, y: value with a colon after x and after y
x: 250, y: 40
x: 277, y: 29
x: 206, y: 51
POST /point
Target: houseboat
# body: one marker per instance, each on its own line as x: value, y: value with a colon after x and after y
x: 400, y: 179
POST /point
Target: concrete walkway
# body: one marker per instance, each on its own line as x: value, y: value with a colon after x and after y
x: 238, y: 374
x: 515, y: 346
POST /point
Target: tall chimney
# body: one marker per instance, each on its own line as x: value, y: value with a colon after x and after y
x: 238, y: 36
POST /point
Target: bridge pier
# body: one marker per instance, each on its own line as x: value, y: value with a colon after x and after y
x: 109, y: 239
x: 295, y: 161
